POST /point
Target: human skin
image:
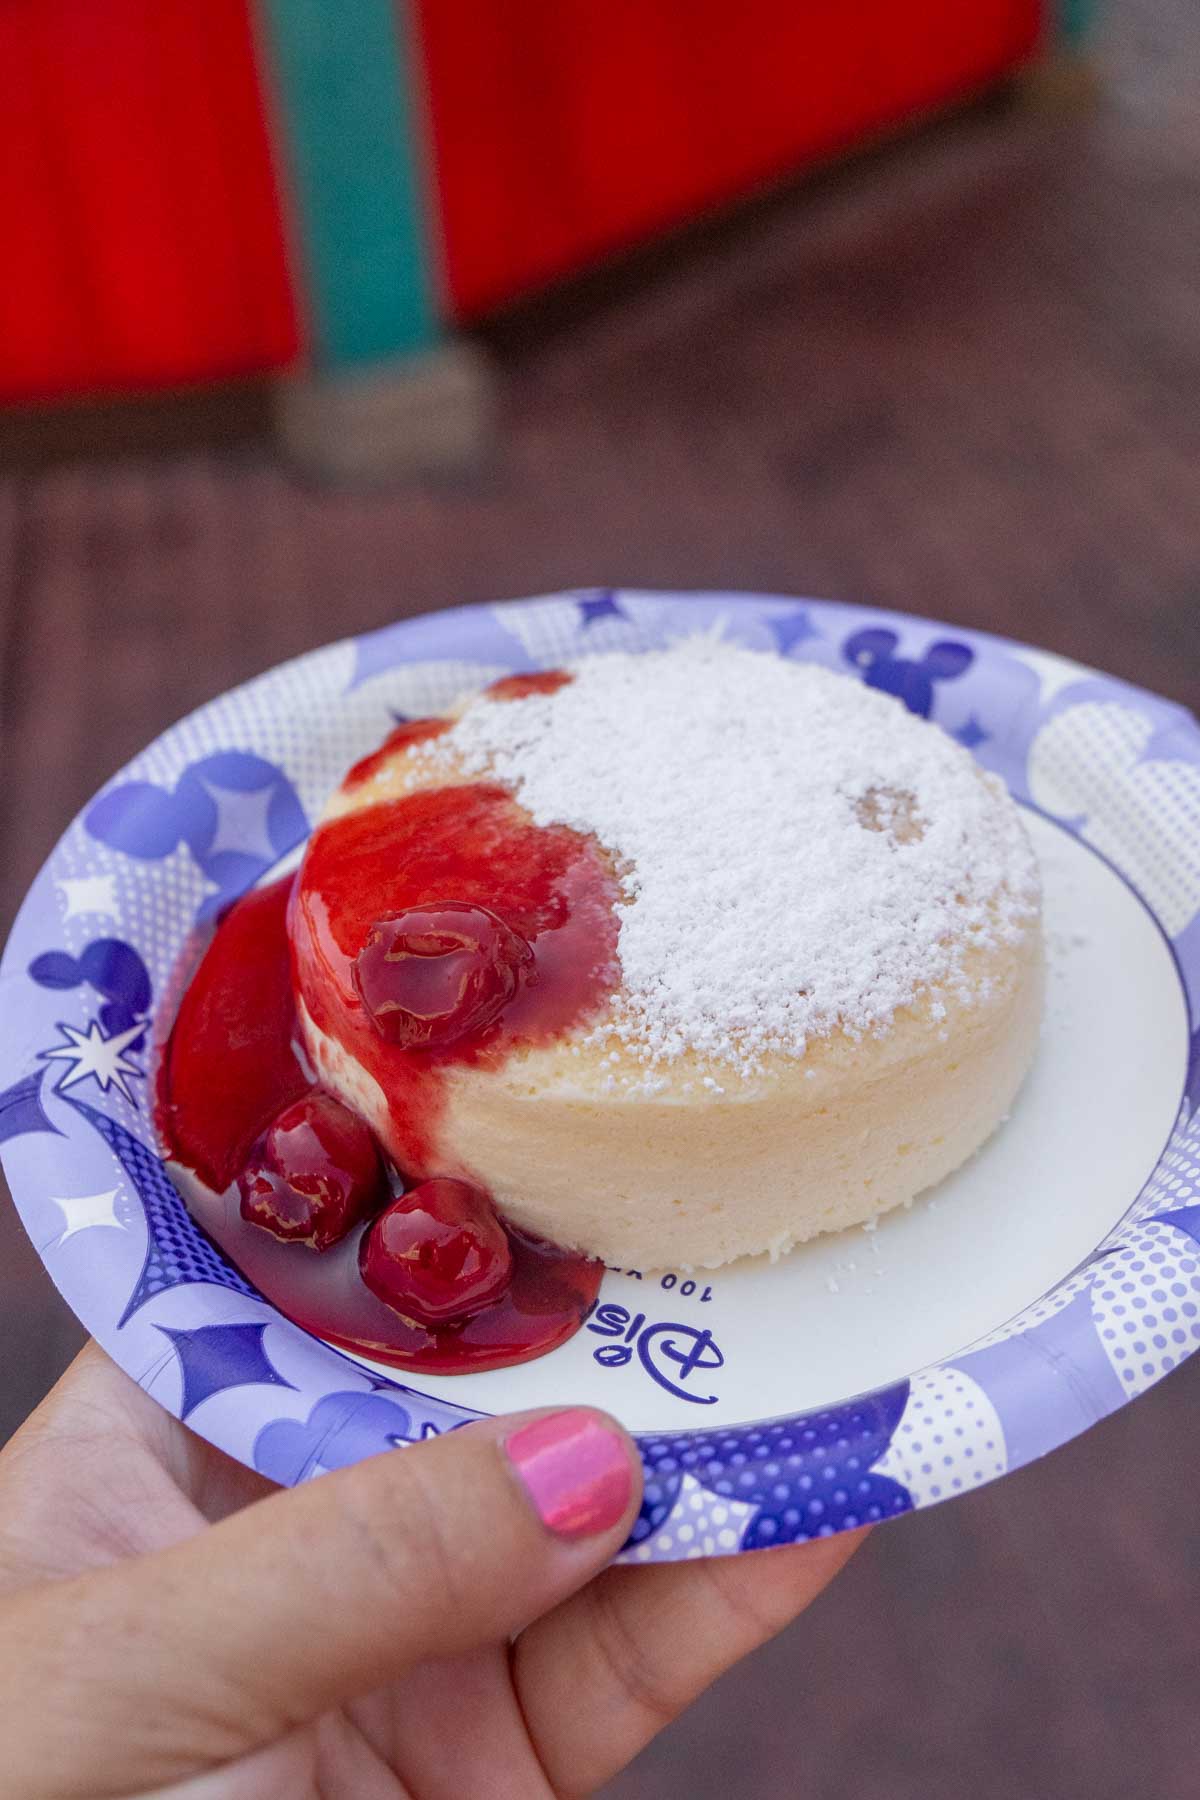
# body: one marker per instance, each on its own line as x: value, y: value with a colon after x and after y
x: 427, y: 1625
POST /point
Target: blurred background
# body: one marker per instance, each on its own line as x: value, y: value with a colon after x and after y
x: 313, y: 316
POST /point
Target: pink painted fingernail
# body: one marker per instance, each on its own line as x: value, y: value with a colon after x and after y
x: 575, y: 1470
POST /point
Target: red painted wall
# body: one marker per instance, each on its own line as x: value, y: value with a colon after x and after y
x: 567, y: 128
x: 140, y: 235
x: 141, y: 242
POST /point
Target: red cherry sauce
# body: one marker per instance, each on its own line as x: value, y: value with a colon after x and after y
x: 230, y: 1066
x: 475, y: 846
x: 413, y: 731
x: 538, y: 681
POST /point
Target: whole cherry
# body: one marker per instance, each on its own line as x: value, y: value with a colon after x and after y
x: 439, y: 973
x: 314, y: 1174
x: 437, y: 1254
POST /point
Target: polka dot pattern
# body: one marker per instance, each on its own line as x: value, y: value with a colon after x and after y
x: 1174, y: 1187
x: 1175, y: 1183
x: 949, y: 1439
x: 801, y: 1478
x: 699, y: 1524
x: 1146, y: 1303
x: 1142, y: 812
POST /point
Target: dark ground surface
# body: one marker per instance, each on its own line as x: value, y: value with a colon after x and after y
x: 963, y: 378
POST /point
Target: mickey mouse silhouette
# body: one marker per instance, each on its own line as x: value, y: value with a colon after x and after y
x: 236, y: 812
x: 1098, y: 766
x: 113, y: 968
x: 341, y: 1429
x: 872, y: 652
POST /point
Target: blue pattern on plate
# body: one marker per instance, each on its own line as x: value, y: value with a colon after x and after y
x: 341, y: 1429
x: 21, y: 1109
x: 214, y: 1358
x: 603, y: 604
x: 1058, y: 735
x: 236, y: 812
x: 873, y: 654
x: 113, y: 969
x: 805, y: 1477
x: 177, y: 1252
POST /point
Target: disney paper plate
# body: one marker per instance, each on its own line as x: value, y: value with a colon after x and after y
x: 1051, y: 1280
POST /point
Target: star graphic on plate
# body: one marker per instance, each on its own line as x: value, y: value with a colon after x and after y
x: 242, y: 822
x: 213, y: 1358
x: 599, y: 606
x: 972, y: 734
x: 85, y: 1211
x: 791, y: 629
x: 92, y: 1056
x: 85, y: 894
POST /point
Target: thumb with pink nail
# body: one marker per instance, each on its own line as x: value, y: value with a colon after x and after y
x: 434, y: 1622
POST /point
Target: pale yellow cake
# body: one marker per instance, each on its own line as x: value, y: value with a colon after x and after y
x: 830, y: 946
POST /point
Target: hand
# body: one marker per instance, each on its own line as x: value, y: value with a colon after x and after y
x: 436, y: 1623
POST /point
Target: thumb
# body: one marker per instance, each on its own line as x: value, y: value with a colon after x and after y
x: 175, y: 1662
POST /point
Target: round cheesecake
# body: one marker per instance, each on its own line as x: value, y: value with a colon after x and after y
x: 779, y: 971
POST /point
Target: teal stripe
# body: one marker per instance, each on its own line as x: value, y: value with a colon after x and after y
x: 342, y: 84
x: 1077, y: 18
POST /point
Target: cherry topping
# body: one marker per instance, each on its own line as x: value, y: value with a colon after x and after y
x: 313, y: 1174
x: 438, y: 1254
x: 537, y: 681
x: 438, y: 973
x: 412, y: 731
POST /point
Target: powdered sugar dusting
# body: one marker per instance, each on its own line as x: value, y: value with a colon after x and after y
x: 799, y: 853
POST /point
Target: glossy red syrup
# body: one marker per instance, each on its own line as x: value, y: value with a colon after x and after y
x: 519, y: 687
x: 438, y: 1253
x: 315, y: 1174
x: 230, y: 1066
x: 546, y: 1303
x: 413, y: 731
x: 438, y: 974
x: 473, y: 846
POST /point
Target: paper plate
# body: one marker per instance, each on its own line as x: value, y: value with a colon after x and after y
x: 1050, y: 1281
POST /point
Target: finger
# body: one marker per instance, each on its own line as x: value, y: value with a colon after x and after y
x: 92, y: 1400
x: 100, y: 1472
x: 84, y: 1482
x: 95, y: 1393
x: 307, y: 1599
x: 642, y: 1643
